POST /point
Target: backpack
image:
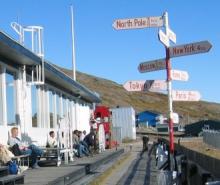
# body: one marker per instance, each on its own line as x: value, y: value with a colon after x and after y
x: 16, y: 150
x: 12, y: 167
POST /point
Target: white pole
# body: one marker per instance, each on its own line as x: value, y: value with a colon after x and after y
x: 73, y: 45
x: 170, y: 102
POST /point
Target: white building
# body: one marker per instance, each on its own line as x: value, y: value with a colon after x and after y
x: 38, y: 108
x: 124, y: 118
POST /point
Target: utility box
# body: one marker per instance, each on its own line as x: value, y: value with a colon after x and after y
x: 124, y: 117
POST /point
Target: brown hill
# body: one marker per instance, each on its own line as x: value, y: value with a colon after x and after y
x: 113, y: 94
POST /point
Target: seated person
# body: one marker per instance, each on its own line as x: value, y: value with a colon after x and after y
x: 32, y: 150
x: 81, y: 149
x: 5, y: 154
x: 90, y: 139
x: 51, y: 141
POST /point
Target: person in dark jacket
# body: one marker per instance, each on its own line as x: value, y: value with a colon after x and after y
x: 145, y: 140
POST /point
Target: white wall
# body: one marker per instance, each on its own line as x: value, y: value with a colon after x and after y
x: 124, y: 117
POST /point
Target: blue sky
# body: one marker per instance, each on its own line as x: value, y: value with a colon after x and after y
x: 115, y: 55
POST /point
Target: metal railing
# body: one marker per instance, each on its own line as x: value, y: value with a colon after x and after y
x: 211, y: 137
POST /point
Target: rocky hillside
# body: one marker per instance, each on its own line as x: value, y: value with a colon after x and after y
x: 113, y: 94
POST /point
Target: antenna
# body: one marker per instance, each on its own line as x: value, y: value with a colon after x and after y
x: 37, y: 47
x: 73, y: 45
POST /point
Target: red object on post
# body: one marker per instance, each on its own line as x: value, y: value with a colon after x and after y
x: 103, y: 113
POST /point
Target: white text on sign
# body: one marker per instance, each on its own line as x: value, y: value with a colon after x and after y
x: 190, y: 49
x: 153, y: 65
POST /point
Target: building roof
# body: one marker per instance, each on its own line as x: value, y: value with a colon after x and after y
x: 17, y: 55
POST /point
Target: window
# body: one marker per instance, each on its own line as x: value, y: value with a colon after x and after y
x: 1, y: 97
x: 10, y: 99
x: 34, y: 105
x: 58, y: 107
x: 51, y: 108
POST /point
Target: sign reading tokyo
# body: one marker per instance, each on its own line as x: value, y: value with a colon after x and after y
x: 190, y: 49
x: 145, y: 85
x: 135, y: 23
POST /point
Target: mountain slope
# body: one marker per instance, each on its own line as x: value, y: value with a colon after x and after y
x: 113, y: 94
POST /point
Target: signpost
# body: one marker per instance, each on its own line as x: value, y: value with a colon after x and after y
x: 160, y: 64
x: 185, y: 95
x: 135, y: 23
x: 190, y: 49
x: 179, y: 75
x: 153, y: 65
x: 145, y: 85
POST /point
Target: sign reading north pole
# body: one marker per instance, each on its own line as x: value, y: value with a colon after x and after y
x: 190, y: 49
x: 135, y: 23
x: 185, y: 95
x: 153, y: 65
x: 179, y: 75
x: 145, y: 85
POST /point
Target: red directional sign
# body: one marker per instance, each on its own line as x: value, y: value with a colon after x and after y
x: 179, y: 75
x: 153, y: 65
x: 185, y: 95
x: 145, y: 85
x: 135, y: 23
x: 190, y: 49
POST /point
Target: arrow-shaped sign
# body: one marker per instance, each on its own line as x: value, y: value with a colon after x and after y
x: 135, y: 23
x: 153, y: 65
x: 190, y: 49
x: 171, y: 35
x: 185, y: 95
x: 163, y: 38
x: 145, y: 85
x: 179, y: 75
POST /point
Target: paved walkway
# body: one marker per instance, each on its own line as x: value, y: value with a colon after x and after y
x: 66, y: 174
x: 142, y: 171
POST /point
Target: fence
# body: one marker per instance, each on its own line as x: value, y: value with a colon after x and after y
x: 117, y: 134
x: 211, y: 137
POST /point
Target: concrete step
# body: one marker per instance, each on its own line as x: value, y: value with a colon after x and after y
x: 3, y: 171
x: 12, y: 180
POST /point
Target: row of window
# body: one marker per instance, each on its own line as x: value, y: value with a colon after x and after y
x: 48, y: 105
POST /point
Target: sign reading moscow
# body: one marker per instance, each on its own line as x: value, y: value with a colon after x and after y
x: 153, y: 65
x: 135, y: 23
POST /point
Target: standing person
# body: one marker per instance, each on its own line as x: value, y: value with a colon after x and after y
x: 32, y: 150
x: 52, y: 141
x: 145, y: 140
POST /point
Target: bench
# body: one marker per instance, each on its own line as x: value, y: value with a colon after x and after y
x: 21, y: 159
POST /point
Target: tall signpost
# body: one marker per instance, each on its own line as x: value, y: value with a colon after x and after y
x: 164, y: 63
x: 169, y: 89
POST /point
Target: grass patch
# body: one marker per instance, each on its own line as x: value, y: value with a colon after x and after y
x: 100, y: 179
